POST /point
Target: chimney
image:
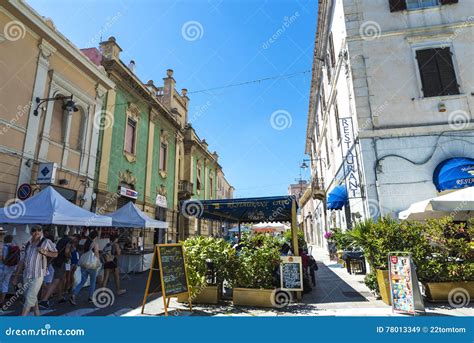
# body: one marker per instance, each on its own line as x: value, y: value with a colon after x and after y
x: 168, y: 89
x: 110, y: 49
x: 131, y: 66
x: 151, y: 87
x: 203, y: 142
x: 216, y: 156
x: 184, y: 96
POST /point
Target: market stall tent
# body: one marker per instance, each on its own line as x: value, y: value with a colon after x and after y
x: 130, y: 216
x: 49, y: 207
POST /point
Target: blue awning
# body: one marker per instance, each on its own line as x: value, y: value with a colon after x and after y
x: 454, y: 173
x: 337, y: 198
x: 244, y: 210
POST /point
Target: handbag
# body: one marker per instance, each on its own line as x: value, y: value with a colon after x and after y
x: 88, y: 260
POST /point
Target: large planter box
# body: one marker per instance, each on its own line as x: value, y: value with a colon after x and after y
x: 208, y: 295
x: 439, y: 291
x: 384, y: 286
x: 253, y: 297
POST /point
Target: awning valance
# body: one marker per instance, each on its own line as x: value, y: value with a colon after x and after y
x: 337, y: 198
x: 244, y: 210
x: 454, y: 173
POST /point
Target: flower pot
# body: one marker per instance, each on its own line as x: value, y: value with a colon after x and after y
x: 439, y: 291
x: 384, y: 286
x: 208, y: 295
x: 253, y: 297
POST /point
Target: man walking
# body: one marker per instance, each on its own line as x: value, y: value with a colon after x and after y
x: 34, y: 265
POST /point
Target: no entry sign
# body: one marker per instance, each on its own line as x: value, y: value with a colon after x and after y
x: 24, y: 191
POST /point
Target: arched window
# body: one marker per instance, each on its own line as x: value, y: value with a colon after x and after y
x: 76, y: 134
x: 58, y: 122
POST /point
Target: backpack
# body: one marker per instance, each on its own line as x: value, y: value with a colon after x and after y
x: 61, y: 248
x: 13, y: 256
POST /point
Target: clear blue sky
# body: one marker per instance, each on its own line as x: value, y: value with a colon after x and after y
x: 230, y: 43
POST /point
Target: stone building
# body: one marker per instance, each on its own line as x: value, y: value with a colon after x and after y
x: 49, y: 97
x: 390, y: 103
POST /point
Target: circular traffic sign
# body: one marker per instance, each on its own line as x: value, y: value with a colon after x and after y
x: 24, y: 191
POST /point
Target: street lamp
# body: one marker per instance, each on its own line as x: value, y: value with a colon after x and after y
x: 69, y: 105
x: 304, y: 165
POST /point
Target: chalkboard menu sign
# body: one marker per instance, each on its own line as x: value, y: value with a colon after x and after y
x: 171, y: 259
x: 291, y: 273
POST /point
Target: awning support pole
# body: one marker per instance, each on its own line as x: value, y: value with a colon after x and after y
x: 240, y: 233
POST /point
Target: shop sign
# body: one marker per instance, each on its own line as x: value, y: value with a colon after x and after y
x: 161, y: 201
x: 46, y: 173
x: 127, y: 192
x: 349, y: 155
x: 404, y: 290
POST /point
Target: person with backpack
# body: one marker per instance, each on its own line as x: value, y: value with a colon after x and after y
x: 9, y: 260
x: 110, y: 257
x: 59, y: 266
x: 34, y: 264
x: 89, y: 263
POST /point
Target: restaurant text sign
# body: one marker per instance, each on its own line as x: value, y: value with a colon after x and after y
x: 349, y: 155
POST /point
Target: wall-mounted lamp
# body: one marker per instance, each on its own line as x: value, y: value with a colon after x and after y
x: 441, y: 107
x: 69, y: 105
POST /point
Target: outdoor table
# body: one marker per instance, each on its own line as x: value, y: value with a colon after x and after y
x: 357, y: 256
x: 135, y: 261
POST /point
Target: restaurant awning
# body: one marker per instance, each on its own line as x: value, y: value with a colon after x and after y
x: 337, y: 198
x: 49, y: 207
x: 454, y: 173
x: 130, y: 216
x: 244, y: 210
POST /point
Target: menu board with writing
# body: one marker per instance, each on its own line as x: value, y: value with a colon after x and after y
x: 404, y: 289
x: 171, y: 258
x: 291, y: 273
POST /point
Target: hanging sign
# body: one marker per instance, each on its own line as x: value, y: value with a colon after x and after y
x: 291, y: 273
x: 161, y: 201
x: 167, y: 274
x: 46, y: 173
x: 404, y: 290
x: 349, y: 155
x: 127, y: 192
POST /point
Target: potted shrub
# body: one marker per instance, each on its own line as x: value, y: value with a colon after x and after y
x: 200, y: 253
x: 254, y: 282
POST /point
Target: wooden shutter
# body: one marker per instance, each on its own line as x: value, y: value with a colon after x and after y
x: 397, y: 5
x: 448, y: 2
x: 428, y: 72
x: 447, y: 74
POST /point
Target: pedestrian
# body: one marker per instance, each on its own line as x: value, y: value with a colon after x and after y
x: 9, y: 260
x: 63, y: 247
x: 90, y: 245
x: 48, y: 279
x: 34, y: 265
x: 110, y: 256
x: 73, y: 262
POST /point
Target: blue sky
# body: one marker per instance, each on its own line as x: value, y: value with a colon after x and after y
x: 212, y: 43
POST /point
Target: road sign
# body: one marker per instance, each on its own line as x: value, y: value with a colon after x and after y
x: 24, y: 191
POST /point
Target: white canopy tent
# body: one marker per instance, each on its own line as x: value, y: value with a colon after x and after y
x: 457, y: 204
x: 130, y: 216
x: 49, y: 207
x: 276, y: 227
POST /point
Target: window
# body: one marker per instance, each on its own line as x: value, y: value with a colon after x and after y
x: 198, y: 178
x: 77, y: 131
x: 336, y: 116
x: 211, y: 187
x: 163, y: 156
x: 415, y: 4
x: 58, y: 122
x: 130, y: 136
x: 332, y: 54
x: 437, y: 72
x: 401, y: 5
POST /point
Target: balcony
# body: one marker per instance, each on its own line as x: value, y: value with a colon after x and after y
x: 185, y: 189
